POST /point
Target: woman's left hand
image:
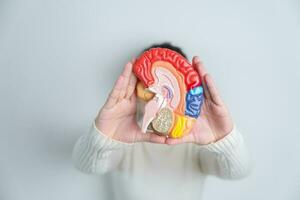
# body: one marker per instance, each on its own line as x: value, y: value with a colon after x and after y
x: 214, y: 121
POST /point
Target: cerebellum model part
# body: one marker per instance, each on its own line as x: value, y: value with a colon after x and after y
x: 172, y: 89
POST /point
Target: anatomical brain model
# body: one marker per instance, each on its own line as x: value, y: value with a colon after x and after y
x: 172, y: 89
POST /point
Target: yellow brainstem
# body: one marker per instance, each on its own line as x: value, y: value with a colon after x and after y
x: 182, y: 126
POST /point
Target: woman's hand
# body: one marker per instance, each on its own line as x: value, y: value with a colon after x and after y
x: 214, y: 122
x: 117, y: 118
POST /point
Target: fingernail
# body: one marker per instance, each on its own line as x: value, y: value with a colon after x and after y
x: 197, y: 59
x: 133, y: 60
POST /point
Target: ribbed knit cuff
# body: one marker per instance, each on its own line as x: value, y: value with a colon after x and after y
x: 226, y: 145
x: 107, y: 142
x: 93, y: 147
x: 231, y: 155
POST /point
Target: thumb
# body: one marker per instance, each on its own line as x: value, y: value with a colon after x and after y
x: 150, y: 137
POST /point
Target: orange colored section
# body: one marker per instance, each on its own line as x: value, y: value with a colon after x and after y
x: 142, y: 93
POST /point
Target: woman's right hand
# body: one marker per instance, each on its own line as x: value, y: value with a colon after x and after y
x: 117, y: 118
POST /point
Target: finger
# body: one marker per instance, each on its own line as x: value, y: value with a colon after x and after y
x: 150, y: 137
x: 206, y: 91
x: 133, y: 60
x: 154, y: 138
x: 131, y: 86
x: 198, y: 65
x: 132, y: 83
x: 212, y: 89
x: 126, y: 74
x: 133, y: 97
x: 114, y: 94
x: 185, y: 139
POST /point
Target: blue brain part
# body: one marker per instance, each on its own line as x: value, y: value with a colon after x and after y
x: 193, y: 102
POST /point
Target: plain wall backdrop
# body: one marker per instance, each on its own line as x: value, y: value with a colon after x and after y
x: 59, y: 60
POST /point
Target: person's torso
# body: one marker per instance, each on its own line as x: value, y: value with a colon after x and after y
x: 156, y: 171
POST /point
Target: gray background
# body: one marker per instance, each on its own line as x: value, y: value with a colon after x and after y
x: 59, y: 59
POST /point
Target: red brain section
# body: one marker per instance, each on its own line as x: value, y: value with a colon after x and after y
x: 142, y: 66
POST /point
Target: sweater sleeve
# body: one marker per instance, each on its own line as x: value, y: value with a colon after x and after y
x: 94, y: 152
x: 227, y: 158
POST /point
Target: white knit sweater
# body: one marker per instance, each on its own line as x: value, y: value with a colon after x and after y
x: 143, y: 171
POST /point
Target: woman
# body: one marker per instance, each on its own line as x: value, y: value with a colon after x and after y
x: 149, y: 166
